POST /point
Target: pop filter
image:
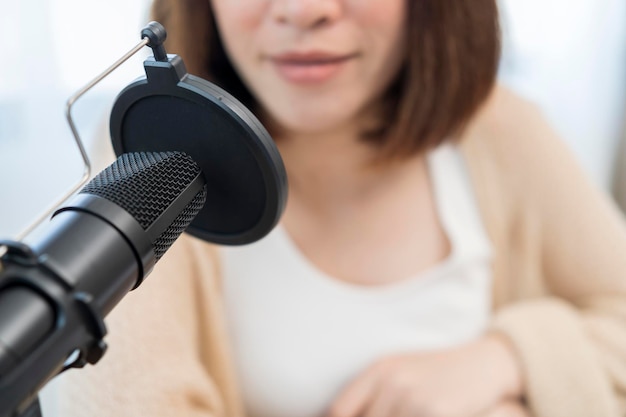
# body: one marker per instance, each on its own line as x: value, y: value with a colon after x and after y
x: 171, y: 110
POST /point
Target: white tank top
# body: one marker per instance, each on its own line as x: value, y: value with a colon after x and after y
x: 299, y: 336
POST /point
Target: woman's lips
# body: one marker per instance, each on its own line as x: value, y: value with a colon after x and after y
x: 309, y: 68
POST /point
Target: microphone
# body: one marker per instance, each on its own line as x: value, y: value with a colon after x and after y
x: 181, y: 141
x: 55, y: 292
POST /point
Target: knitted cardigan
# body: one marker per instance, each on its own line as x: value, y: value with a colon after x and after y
x: 559, y: 292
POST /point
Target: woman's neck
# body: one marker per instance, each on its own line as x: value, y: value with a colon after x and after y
x: 334, y: 170
x: 358, y: 221
x: 327, y: 165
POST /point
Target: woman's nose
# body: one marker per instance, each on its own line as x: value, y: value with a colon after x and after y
x: 306, y: 14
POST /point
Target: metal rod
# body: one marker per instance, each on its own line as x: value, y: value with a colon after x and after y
x: 79, y: 142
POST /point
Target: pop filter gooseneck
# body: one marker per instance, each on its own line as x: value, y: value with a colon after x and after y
x: 171, y: 110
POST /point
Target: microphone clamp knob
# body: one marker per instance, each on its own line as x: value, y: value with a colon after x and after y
x: 156, y: 34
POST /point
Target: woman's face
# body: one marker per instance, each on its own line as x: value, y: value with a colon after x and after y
x: 313, y: 64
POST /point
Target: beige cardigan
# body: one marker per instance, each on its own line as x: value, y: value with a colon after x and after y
x: 560, y: 293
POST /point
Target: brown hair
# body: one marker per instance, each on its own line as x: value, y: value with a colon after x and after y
x: 452, y: 54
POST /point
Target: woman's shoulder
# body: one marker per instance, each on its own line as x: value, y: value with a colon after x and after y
x: 508, y: 125
x: 512, y: 135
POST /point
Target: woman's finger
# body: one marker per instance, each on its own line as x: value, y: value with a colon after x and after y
x: 384, y: 403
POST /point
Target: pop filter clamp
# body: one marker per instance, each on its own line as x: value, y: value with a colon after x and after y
x: 168, y: 110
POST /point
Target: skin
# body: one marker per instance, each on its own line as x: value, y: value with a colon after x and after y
x: 316, y: 66
x: 255, y: 32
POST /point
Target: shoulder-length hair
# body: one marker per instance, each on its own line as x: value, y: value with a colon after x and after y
x: 452, y: 55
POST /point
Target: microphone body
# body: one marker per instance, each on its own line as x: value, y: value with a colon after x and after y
x: 56, y: 290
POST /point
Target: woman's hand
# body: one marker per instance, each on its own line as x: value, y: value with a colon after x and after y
x: 472, y: 380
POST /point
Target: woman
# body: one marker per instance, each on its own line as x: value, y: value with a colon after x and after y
x: 441, y: 253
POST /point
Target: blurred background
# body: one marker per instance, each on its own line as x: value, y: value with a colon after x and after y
x: 568, y: 56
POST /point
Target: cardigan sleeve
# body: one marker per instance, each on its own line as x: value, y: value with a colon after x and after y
x: 154, y: 365
x: 572, y: 340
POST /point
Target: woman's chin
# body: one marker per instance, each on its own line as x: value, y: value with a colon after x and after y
x: 310, y: 124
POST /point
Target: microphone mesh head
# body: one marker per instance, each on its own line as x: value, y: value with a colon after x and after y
x: 145, y: 184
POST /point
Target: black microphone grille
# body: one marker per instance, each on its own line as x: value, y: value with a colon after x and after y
x: 145, y: 184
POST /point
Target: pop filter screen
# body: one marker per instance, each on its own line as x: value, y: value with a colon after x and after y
x: 170, y: 110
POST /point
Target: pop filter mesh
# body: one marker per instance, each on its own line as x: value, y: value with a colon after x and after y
x: 145, y: 184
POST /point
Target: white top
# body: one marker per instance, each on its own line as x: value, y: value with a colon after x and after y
x: 299, y: 335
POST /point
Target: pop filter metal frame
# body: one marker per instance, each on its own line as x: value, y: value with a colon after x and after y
x: 145, y: 40
x: 77, y: 139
